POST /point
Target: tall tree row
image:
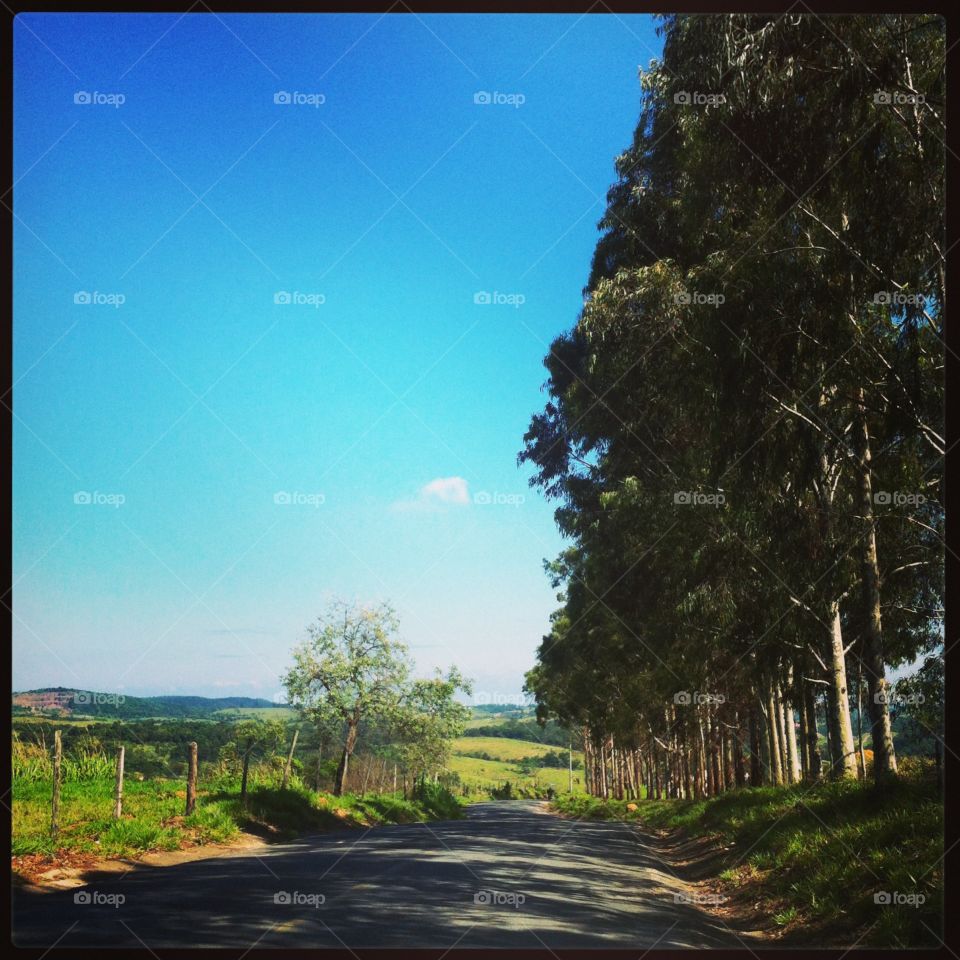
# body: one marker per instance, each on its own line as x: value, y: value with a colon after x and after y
x: 743, y: 430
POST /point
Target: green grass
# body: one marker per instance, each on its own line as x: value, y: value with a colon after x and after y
x: 279, y: 712
x: 153, y: 814
x: 481, y: 777
x: 815, y: 856
x: 504, y: 748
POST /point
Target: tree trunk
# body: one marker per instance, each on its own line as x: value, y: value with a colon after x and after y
x: 756, y: 764
x: 844, y: 759
x: 246, y: 773
x: 340, y: 783
x: 884, y: 756
x: 789, y: 725
x: 782, y: 732
x: 289, y: 763
x: 773, y: 735
x: 716, y: 758
x: 814, y: 760
x: 861, y: 756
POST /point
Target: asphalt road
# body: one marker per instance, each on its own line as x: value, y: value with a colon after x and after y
x: 509, y: 875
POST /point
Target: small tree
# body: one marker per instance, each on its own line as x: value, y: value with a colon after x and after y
x: 351, y: 666
x: 430, y: 718
x: 254, y: 739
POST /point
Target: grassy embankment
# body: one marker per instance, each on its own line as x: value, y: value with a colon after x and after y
x: 153, y: 814
x: 813, y: 858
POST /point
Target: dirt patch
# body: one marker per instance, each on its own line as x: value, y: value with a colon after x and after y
x: 699, y: 861
x: 68, y: 868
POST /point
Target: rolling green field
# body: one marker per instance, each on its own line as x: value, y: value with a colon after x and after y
x: 265, y: 713
x: 479, y: 776
x: 503, y: 748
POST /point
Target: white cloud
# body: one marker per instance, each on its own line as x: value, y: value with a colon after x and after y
x: 440, y: 492
x: 446, y: 490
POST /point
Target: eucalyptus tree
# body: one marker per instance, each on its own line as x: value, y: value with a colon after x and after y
x: 761, y: 323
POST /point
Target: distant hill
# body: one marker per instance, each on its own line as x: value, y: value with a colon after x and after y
x: 493, y: 710
x: 70, y: 702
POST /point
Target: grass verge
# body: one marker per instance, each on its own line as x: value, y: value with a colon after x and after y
x: 815, y: 858
x: 153, y: 816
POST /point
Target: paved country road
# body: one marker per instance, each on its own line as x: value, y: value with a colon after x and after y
x: 508, y: 875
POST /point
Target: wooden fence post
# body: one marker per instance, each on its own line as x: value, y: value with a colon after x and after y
x: 118, y: 792
x: 55, y: 805
x: 289, y: 763
x: 192, y: 778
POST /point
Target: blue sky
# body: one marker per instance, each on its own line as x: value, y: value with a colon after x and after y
x: 256, y: 336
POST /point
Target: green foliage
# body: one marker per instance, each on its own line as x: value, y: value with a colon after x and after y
x: 760, y: 346
x: 353, y: 675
